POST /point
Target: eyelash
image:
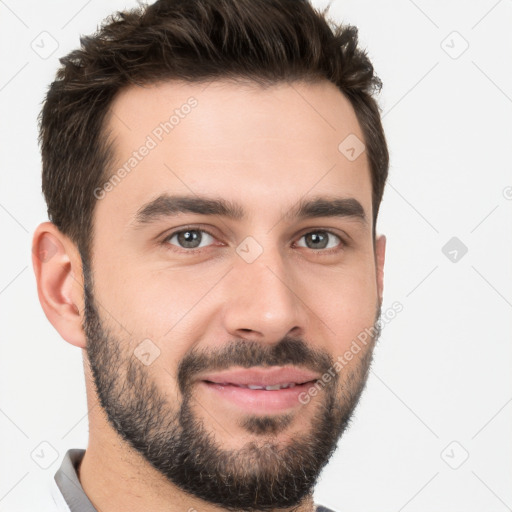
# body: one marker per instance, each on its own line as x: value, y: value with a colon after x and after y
x: 195, y: 251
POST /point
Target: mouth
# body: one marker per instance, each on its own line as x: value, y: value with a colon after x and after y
x: 259, y: 390
x: 274, y: 387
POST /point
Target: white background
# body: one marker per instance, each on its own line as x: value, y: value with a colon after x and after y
x: 440, y: 386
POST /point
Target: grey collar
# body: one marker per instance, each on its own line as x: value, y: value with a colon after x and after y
x: 69, y: 485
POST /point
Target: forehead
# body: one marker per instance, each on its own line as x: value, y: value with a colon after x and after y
x: 238, y: 140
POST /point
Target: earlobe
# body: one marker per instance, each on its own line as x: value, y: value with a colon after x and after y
x: 380, y: 256
x: 58, y: 270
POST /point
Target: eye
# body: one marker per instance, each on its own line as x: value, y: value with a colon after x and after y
x: 190, y: 238
x: 196, y: 239
x: 321, y: 240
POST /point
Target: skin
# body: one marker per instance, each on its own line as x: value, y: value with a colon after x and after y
x: 263, y: 148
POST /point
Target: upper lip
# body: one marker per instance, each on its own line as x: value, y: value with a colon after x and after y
x: 260, y: 376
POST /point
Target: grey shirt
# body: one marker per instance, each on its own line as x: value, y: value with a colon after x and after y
x: 69, y: 485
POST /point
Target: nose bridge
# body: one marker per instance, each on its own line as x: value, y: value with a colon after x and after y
x: 260, y: 294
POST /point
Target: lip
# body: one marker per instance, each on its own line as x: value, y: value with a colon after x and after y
x: 259, y: 376
x: 226, y: 386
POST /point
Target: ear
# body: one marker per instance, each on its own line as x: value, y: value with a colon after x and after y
x: 58, y: 269
x: 380, y: 255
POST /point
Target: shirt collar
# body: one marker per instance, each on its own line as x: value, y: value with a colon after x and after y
x: 69, y: 485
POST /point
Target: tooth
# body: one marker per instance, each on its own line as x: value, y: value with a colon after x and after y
x: 274, y: 387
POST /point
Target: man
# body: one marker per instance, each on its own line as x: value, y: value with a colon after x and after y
x: 213, y: 173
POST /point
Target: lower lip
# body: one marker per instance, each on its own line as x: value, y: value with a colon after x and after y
x: 259, y: 400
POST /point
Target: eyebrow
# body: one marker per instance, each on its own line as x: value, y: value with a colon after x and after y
x: 166, y: 205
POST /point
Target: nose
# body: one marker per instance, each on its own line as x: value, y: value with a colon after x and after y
x: 262, y: 303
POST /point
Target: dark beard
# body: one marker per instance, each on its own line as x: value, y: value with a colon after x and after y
x: 259, y: 476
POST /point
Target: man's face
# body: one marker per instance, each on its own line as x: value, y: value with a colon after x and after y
x: 189, y: 308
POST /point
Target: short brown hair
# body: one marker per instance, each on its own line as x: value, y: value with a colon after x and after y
x: 265, y: 41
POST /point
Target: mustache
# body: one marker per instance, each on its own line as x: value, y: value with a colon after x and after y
x: 247, y: 353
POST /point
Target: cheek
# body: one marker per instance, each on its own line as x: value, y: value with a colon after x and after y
x: 165, y: 305
x: 346, y: 303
